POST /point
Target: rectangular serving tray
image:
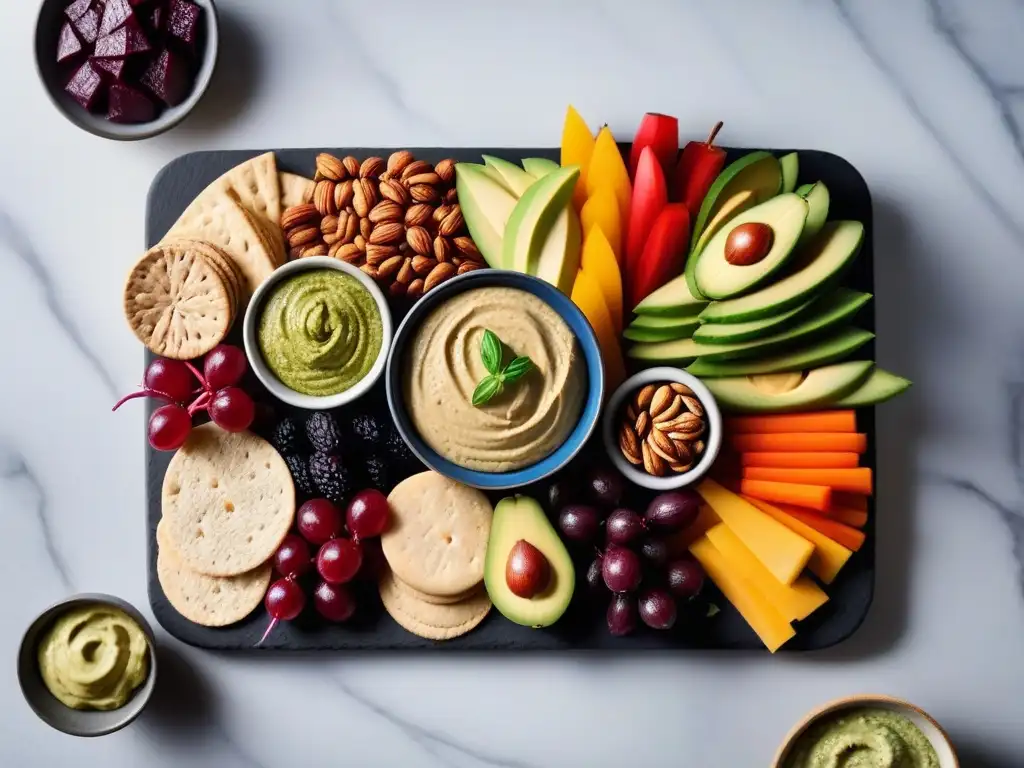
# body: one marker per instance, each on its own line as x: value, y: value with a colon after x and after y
x: 583, y: 626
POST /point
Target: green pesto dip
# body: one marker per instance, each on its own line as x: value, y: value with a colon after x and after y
x: 863, y: 737
x: 320, y: 332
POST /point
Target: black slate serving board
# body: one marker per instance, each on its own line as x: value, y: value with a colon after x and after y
x: 583, y: 626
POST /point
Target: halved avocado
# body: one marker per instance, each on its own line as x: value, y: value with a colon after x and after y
x: 817, y: 265
x: 758, y: 172
x: 515, y: 178
x: 790, y: 170
x: 817, y: 198
x: 673, y: 299
x: 539, y: 166
x: 779, y: 392
x: 533, y: 218
x: 486, y: 206
x: 520, y: 518
x: 830, y: 349
x: 729, y: 333
x: 734, y: 206
x: 717, y: 278
x: 827, y: 313
x: 876, y: 388
x: 683, y: 330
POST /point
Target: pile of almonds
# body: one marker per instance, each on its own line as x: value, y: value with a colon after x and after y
x: 662, y: 429
x: 399, y: 221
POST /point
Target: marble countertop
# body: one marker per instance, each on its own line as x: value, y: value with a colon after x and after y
x: 925, y: 97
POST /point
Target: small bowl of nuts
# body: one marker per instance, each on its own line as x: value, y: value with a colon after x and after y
x: 662, y: 429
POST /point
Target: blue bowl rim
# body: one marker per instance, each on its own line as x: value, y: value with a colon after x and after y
x: 589, y: 417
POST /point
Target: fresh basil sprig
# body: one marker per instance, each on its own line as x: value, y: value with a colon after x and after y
x: 492, y: 353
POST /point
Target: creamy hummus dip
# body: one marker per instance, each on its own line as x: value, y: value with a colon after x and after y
x: 94, y: 657
x: 531, y: 417
x: 866, y: 737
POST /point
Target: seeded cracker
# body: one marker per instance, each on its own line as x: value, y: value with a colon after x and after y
x: 228, y: 501
x: 176, y: 303
x: 224, y: 265
x: 430, y: 621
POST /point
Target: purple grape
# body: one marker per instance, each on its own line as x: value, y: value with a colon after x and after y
x: 623, y: 526
x: 620, y: 569
x: 657, y: 609
x: 560, y: 494
x: 595, y: 582
x: 685, y: 578
x: 621, y: 615
x: 578, y: 522
x: 605, y: 487
x: 655, y: 552
x: 673, y: 511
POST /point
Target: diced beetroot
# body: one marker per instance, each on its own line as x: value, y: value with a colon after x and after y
x: 155, y: 19
x: 167, y: 78
x: 88, y: 26
x: 126, y: 41
x: 68, y: 46
x: 183, y: 22
x: 115, y: 15
x: 84, y: 86
x: 77, y: 9
x: 129, y: 105
x: 113, y: 67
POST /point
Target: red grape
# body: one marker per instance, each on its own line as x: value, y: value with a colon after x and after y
x: 657, y: 609
x: 655, y: 551
x: 621, y: 569
x: 232, y: 409
x: 170, y: 377
x: 605, y: 487
x: 621, y: 616
x: 622, y: 526
x: 595, y: 582
x: 169, y: 426
x: 224, y: 366
x: 685, y: 578
x: 578, y: 522
x: 334, y: 602
x: 285, y: 600
x: 673, y: 511
x: 318, y: 520
x: 339, y: 560
x: 292, y: 557
x: 367, y: 514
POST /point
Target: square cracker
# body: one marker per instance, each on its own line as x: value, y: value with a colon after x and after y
x: 256, y: 185
x: 295, y: 190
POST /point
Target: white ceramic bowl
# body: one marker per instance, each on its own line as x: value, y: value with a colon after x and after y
x: 929, y: 727
x: 609, y: 429
x: 250, y: 335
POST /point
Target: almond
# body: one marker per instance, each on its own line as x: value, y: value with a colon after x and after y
x: 335, y: 247
x: 693, y: 405
x: 398, y: 160
x: 387, y: 233
x: 389, y: 268
x: 329, y: 167
x: 662, y: 445
x: 446, y: 170
x: 371, y: 271
x: 303, y: 236
x: 644, y: 396
x: 661, y: 400
x: 653, y: 463
x: 430, y: 178
x: 360, y: 242
x: 415, y: 289
x: 442, y: 249
x: 331, y: 238
x: 441, y: 212
x: 349, y: 253
x: 364, y: 197
x: 351, y: 226
x: 365, y: 228
x: 422, y: 265
x: 299, y: 214
x: 632, y: 413
x: 314, y: 250
x: 451, y: 196
x: 643, y: 423
x: 467, y: 248
x: 417, y: 215
x: 629, y: 444
x: 680, y: 468
x: 395, y: 192
x: 329, y: 225
x: 351, y: 166
x: 415, y: 167
x: 295, y: 253
x: 405, y: 274
x: 673, y: 410
x: 378, y: 254
x: 423, y: 193
x: 396, y: 289
x: 343, y: 194
x: 385, y: 210
x: 438, y: 275
x: 697, y: 447
x: 468, y: 266
x: 681, y: 389
x: 323, y: 198
x: 371, y: 167
x: 452, y: 222
x: 683, y: 451
x: 419, y: 240
x: 684, y: 422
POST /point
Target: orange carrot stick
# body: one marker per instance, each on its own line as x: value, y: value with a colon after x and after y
x: 798, y: 460
x: 790, y: 442
x: 814, y: 496
x: 856, y: 480
x: 850, y: 501
x: 848, y: 537
x: 818, y: 421
x: 852, y: 517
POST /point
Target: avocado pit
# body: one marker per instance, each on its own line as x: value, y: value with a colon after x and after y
x: 748, y: 243
x: 527, y: 572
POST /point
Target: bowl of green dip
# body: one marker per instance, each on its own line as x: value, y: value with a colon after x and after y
x: 867, y: 731
x: 317, y: 333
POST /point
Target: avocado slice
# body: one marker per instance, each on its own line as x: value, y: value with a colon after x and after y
x: 830, y: 349
x: 817, y: 265
x: 654, y: 321
x: 817, y: 198
x: 682, y: 330
x: 827, y: 313
x: 728, y: 333
x: 520, y: 518
x: 486, y: 206
x: 717, y: 278
x: 790, y: 165
x: 877, y: 388
x: 533, y: 218
x: 758, y: 172
x: 673, y: 299
x: 539, y: 166
x: 514, y: 177
x: 735, y: 205
x: 559, y: 257
x: 793, y: 391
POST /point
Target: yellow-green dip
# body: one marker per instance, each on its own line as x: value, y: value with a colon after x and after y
x: 863, y: 737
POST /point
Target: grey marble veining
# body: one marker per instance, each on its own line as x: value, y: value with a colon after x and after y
x: 925, y: 97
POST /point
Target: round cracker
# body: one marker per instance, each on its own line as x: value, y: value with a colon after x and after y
x: 228, y: 501
x: 210, y: 601
x: 429, y: 620
x: 225, y: 275
x: 176, y: 303
x: 435, y: 599
x: 437, y: 538
x: 221, y: 260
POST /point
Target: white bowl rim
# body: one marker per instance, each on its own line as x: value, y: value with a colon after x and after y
x: 259, y: 366
x: 611, y: 443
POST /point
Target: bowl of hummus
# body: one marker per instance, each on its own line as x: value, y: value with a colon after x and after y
x: 495, y: 379
x: 317, y: 333
x: 87, y: 665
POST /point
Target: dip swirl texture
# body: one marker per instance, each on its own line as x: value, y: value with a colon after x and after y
x: 866, y: 737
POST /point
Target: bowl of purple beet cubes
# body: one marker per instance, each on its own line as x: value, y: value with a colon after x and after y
x: 126, y: 69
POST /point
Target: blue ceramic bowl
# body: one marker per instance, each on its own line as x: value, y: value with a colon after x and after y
x: 585, y: 337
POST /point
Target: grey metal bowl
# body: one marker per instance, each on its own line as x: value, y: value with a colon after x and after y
x: 54, y: 77
x: 51, y: 711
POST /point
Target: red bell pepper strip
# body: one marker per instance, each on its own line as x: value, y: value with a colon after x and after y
x: 660, y: 133
x: 664, y: 254
x: 699, y: 166
x: 650, y: 196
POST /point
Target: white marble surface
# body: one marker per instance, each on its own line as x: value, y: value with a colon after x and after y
x: 925, y: 97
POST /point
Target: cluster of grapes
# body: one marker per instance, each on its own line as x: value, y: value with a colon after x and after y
x: 337, y: 561
x: 635, y: 552
x: 176, y: 381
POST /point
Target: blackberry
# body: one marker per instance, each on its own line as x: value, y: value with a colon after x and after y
x: 287, y: 437
x: 378, y: 474
x: 322, y: 431
x: 299, y: 467
x: 366, y: 429
x: 332, y: 479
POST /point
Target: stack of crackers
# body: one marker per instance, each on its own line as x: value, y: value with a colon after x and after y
x: 228, y: 502
x: 435, y: 547
x: 182, y: 296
